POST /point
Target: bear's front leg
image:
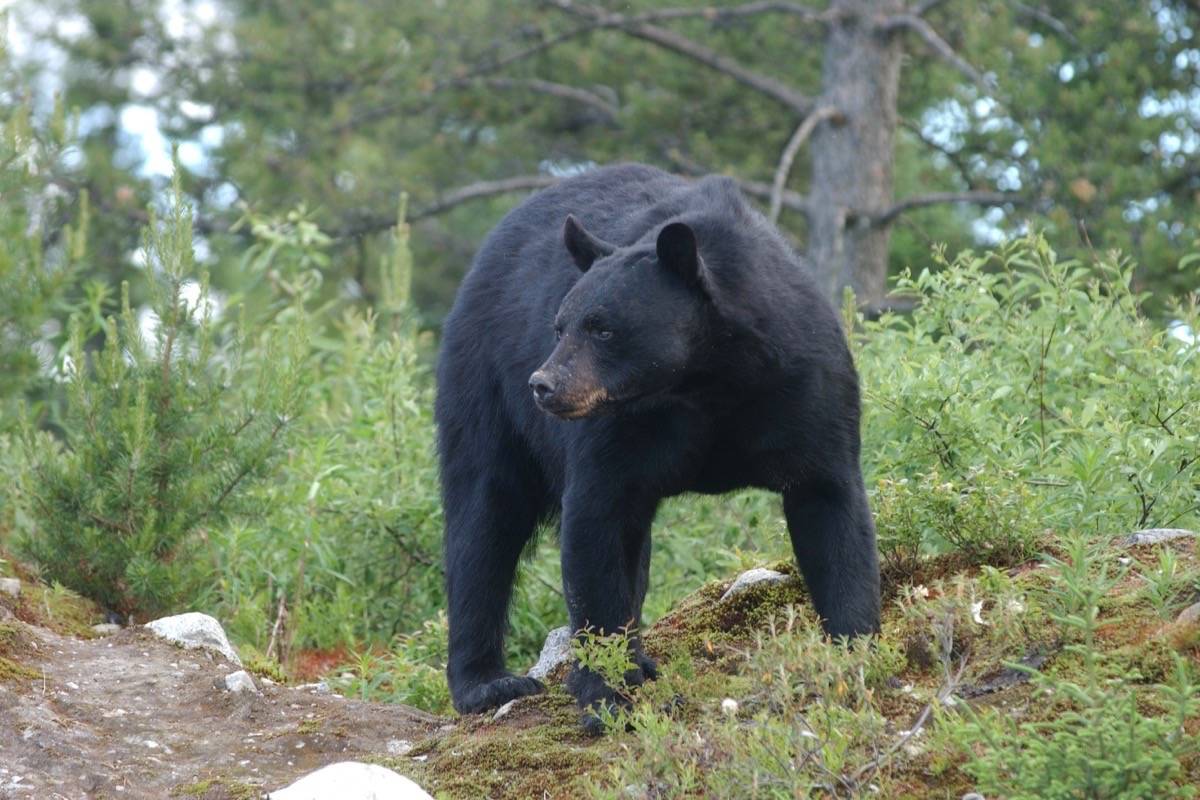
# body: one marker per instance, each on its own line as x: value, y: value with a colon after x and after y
x: 605, y: 540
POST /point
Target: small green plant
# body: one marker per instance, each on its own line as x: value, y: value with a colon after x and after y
x: 412, y: 672
x: 165, y: 430
x: 1164, y: 583
x: 608, y: 655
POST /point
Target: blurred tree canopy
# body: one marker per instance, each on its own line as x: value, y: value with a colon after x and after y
x: 874, y: 127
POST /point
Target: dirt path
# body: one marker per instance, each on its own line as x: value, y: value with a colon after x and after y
x: 131, y: 716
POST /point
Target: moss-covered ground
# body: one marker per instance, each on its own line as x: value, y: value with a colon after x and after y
x: 752, y: 701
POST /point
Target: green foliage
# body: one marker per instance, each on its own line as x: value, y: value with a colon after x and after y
x: 347, y: 540
x: 412, y: 672
x: 805, y: 721
x: 39, y: 255
x: 1026, y: 393
x: 340, y: 105
x: 162, y: 436
x: 1102, y: 743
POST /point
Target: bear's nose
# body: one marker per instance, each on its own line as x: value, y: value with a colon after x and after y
x: 542, y: 385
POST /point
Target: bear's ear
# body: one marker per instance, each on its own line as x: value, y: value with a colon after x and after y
x: 677, y: 251
x: 584, y: 248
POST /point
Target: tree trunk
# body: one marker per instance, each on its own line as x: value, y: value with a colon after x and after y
x: 852, y: 161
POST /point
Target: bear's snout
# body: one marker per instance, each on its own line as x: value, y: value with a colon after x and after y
x: 543, y: 384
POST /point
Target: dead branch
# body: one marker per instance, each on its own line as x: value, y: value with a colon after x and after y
x: 793, y: 200
x: 925, y: 6
x: 718, y: 13
x: 944, y: 693
x: 939, y: 198
x: 677, y: 43
x: 456, y: 197
x: 803, y: 131
x: 939, y: 46
x: 1047, y: 19
x: 560, y: 90
x: 955, y: 157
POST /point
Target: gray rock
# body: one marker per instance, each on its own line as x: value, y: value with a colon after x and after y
x: 556, y: 650
x: 503, y: 710
x: 239, y: 682
x: 753, y: 577
x: 1156, y: 536
x: 973, y: 796
x: 10, y: 586
x: 193, y: 630
x: 1189, y: 616
x: 106, y: 628
x: 352, y: 780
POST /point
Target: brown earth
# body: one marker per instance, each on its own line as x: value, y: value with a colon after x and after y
x: 132, y: 716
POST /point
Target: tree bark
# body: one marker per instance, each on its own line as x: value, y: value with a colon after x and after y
x: 852, y: 175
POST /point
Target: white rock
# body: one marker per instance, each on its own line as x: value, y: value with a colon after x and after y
x: 752, y: 577
x: 240, y: 681
x: 351, y: 780
x: 194, y: 630
x: 106, y: 628
x: 556, y: 650
x: 502, y: 710
x: 399, y: 747
x: 11, y: 586
x: 1157, y: 536
x: 973, y: 796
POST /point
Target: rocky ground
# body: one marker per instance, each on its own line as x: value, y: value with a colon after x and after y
x: 87, y: 713
x: 132, y: 715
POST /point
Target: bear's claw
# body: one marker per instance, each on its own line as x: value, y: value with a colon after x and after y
x: 496, y: 692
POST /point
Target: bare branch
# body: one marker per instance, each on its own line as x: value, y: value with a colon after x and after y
x: 955, y: 157
x: 716, y: 13
x: 793, y: 200
x: 803, y: 131
x: 939, y: 46
x: 925, y: 6
x: 474, y: 191
x: 560, y: 90
x: 1046, y: 18
x: 984, y: 198
x: 677, y: 43
x: 456, y: 197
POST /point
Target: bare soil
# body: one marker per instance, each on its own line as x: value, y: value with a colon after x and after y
x: 132, y: 716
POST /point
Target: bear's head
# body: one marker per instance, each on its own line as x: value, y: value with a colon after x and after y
x: 629, y: 327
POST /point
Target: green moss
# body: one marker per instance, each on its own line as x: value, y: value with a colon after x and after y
x: 197, y: 789
x: 705, y: 627
x: 58, y: 609
x: 310, y: 726
x: 537, y: 750
x: 12, y: 671
x: 218, y: 789
x: 265, y: 668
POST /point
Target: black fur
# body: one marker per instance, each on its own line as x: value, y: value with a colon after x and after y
x: 674, y: 343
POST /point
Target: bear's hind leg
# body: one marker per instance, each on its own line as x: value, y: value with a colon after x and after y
x: 833, y: 537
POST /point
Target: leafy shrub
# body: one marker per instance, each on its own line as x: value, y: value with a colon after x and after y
x: 1026, y: 393
x: 162, y: 436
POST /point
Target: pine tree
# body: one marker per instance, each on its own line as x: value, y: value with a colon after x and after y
x: 166, y: 426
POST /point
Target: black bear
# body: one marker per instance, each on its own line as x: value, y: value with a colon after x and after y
x: 622, y: 337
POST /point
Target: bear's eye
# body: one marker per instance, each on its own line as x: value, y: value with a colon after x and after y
x: 557, y: 332
x: 603, y: 334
